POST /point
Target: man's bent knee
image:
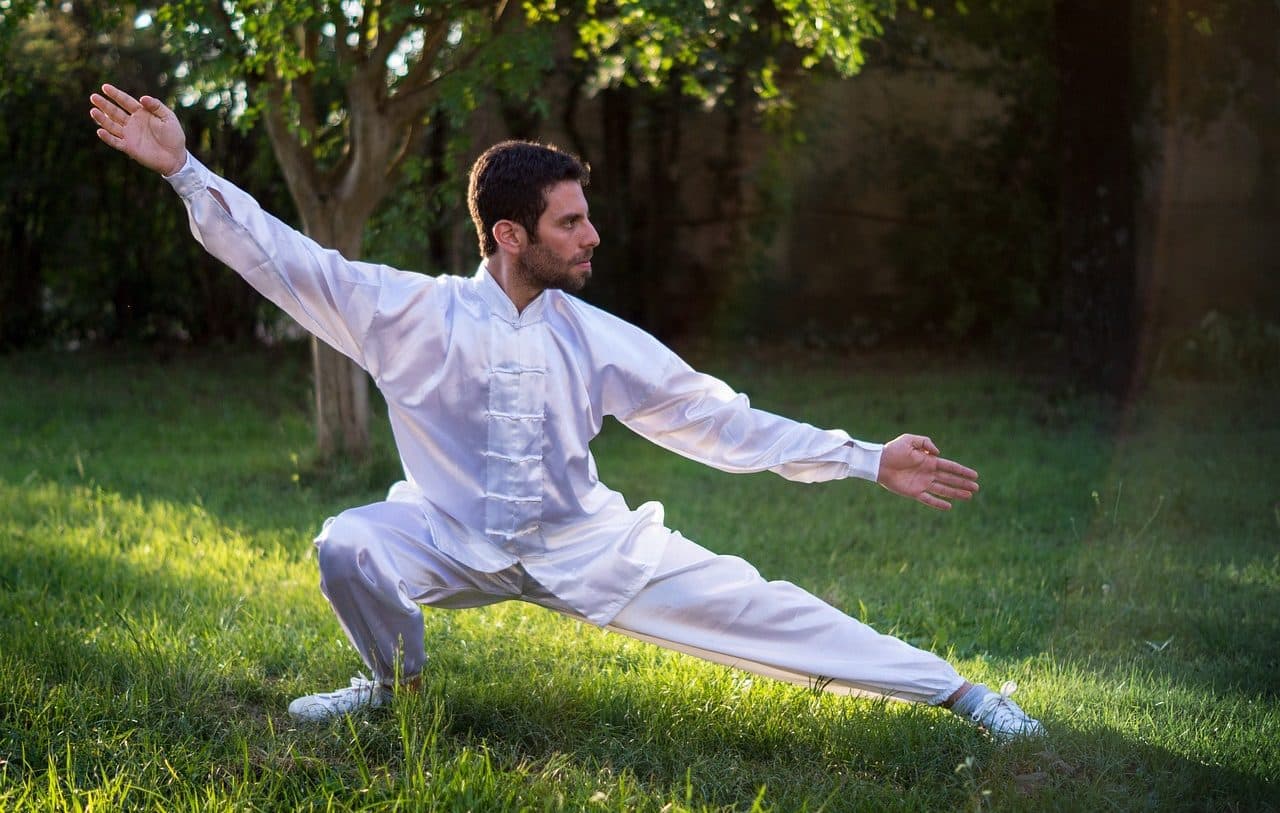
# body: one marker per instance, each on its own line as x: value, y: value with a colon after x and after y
x: 342, y: 548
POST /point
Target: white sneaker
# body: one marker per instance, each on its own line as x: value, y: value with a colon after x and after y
x: 1003, y: 719
x: 361, y: 694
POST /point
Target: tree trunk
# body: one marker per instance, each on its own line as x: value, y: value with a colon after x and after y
x: 21, y: 320
x: 662, y: 152
x: 341, y: 386
x: 342, y: 402
x: 1098, y: 190
x: 334, y: 212
x: 621, y: 284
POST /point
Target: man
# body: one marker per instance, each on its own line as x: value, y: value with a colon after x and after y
x: 495, y: 385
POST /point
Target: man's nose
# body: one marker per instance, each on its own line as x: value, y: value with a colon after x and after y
x: 592, y: 238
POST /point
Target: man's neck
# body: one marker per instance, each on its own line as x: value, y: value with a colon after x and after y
x: 517, y: 289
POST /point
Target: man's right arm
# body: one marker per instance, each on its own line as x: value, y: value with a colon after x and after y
x: 329, y: 296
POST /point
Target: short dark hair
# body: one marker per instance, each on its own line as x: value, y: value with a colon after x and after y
x: 509, y: 182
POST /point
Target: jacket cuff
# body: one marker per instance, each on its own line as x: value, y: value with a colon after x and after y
x: 190, y: 179
x: 863, y: 459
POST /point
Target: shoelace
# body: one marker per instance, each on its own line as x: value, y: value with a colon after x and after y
x: 999, y: 705
x: 360, y: 683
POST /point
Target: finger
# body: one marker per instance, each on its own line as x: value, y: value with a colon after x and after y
x: 111, y: 140
x: 121, y: 98
x: 155, y: 107
x: 955, y: 482
x: 952, y: 467
x: 107, y: 123
x: 108, y: 107
x: 950, y: 492
x: 926, y: 444
x: 934, y: 502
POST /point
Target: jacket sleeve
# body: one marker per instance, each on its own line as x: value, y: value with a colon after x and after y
x: 702, y: 418
x: 331, y: 297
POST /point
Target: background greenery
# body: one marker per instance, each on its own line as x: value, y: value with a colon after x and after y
x: 985, y: 245
x: 159, y: 608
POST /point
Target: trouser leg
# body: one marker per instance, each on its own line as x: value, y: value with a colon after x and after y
x: 378, y: 563
x: 720, y: 609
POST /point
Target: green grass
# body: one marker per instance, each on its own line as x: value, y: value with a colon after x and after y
x: 159, y: 608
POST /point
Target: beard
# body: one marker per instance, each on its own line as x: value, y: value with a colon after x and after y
x: 543, y: 268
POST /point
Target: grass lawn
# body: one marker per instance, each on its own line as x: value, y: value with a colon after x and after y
x: 159, y: 607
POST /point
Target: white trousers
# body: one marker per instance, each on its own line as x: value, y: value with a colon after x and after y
x: 379, y: 565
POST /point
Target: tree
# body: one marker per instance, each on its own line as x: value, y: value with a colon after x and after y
x: 344, y: 89
x: 1098, y: 190
x: 975, y: 248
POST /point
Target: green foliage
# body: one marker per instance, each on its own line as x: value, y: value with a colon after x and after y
x: 214, y: 61
x: 159, y: 608
x: 700, y: 45
x: 980, y: 258
x: 977, y: 260
x: 430, y: 199
x: 325, y: 45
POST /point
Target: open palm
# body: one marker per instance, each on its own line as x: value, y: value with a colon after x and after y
x: 910, y: 466
x: 145, y: 130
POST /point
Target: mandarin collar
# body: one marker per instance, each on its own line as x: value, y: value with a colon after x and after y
x: 500, y: 304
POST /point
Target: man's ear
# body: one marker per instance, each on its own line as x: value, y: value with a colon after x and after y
x: 509, y: 235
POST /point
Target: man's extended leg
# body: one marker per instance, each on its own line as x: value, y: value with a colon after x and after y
x: 720, y: 609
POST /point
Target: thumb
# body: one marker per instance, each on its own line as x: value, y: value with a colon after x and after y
x: 922, y: 442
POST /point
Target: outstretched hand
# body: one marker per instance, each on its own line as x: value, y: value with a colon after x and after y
x: 143, y: 129
x: 910, y: 466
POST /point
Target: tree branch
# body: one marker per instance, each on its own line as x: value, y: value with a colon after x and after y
x: 341, y: 30
x: 296, y: 162
x: 304, y: 85
x: 387, y: 42
x: 412, y: 139
x: 419, y: 78
x: 411, y: 101
x: 362, y: 39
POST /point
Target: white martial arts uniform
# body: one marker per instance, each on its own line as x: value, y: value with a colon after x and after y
x: 492, y: 411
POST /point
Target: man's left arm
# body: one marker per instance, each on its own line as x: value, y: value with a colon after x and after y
x: 702, y: 418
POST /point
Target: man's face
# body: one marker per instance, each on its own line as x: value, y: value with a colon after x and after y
x: 559, y: 255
